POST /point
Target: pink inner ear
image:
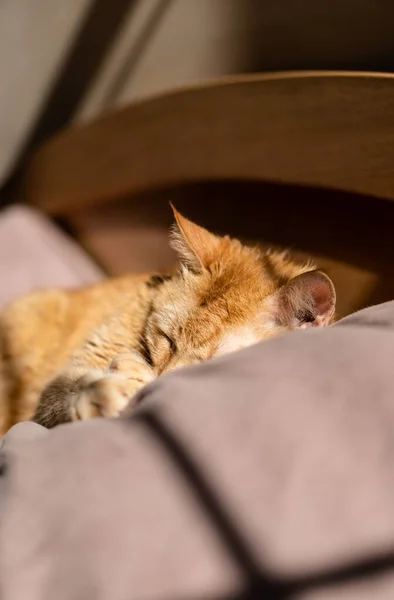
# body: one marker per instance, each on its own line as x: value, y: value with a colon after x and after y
x: 308, y: 300
x: 320, y: 290
x: 322, y: 294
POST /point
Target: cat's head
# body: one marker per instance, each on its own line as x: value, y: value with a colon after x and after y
x: 227, y: 296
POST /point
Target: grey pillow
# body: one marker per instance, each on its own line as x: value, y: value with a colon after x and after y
x: 264, y: 474
x: 34, y: 253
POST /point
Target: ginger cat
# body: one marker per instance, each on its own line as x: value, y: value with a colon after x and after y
x: 72, y: 355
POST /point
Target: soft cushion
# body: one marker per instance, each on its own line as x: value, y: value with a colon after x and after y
x: 267, y: 473
x: 35, y: 253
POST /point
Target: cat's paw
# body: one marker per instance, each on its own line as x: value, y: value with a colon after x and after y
x: 133, y: 366
x: 108, y: 394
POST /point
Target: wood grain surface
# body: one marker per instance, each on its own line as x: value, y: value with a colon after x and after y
x: 330, y: 130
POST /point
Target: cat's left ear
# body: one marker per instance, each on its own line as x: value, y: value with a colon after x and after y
x: 196, y: 247
x: 307, y: 300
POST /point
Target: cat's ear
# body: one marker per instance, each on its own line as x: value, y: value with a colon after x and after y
x: 307, y: 300
x: 196, y: 247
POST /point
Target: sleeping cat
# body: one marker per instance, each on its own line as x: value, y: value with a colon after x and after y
x: 72, y: 355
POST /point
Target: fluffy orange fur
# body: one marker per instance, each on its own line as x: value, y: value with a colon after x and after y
x: 72, y: 355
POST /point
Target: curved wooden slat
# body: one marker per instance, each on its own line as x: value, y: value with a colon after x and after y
x: 333, y: 130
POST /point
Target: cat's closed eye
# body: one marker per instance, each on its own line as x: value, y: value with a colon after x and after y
x: 169, y: 341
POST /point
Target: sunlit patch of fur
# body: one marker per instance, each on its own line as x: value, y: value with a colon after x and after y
x: 220, y: 304
x: 236, y: 340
